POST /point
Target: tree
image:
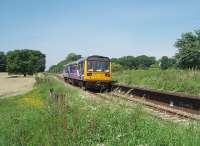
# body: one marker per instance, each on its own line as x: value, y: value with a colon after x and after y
x: 166, y: 62
x: 128, y: 62
x: 58, y: 68
x: 144, y: 61
x: 2, y: 62
x: 188, y: 55
x: 25, y: 62
x: 72, y: 57
x: 53, y: 69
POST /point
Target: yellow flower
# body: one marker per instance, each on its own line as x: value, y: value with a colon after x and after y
x: 31, y: 101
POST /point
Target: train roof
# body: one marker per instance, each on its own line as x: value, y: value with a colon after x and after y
x: 97, y: 56
x: 93, y: 57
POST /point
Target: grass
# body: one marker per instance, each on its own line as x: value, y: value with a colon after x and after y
x: 185, y: 81
x: 35, y: 119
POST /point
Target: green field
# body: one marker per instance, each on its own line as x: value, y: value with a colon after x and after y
x: 186, y: 81
x: 34, y: 119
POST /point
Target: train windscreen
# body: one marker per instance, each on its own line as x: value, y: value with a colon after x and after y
x: 98, y: 66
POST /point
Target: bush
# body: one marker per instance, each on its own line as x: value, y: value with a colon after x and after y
x: 116, y: 67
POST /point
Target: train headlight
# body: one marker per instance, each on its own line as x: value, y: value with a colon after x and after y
x: 107, y: 74
x: 89, y: 74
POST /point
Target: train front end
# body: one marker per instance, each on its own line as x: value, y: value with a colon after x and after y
x: 98, y: 72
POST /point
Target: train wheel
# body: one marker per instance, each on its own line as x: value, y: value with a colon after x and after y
x: 101, y: 89
x: 109, y: 88
x: 67, y: 80
x: 83, y: 86
x: 73, y: 82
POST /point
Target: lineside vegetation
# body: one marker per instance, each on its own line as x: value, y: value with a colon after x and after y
x: 185, y: 81
x: 36, y: 119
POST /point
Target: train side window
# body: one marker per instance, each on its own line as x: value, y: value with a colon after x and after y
x: 66, y: 69
x: 73, y: 68
x: 82, y: 67
x: 70, y: 69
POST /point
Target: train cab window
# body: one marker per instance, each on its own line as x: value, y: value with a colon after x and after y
x: 98, y: 66
x: 105, y: 67
x: 91, y: 66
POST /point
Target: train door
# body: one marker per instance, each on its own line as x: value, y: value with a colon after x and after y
x: 81, y: 70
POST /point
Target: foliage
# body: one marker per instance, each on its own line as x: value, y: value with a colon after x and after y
x: 186, y: 81
x: 155, y: 66
x: 188, y: 55
x: 34, y: 119
x: 116, y: 67
x: 2, y: 62
x: 144, y: 61
x: 59, y: 67
x: 25, y: 62
x: 131, y: 62
x: 166, y: 62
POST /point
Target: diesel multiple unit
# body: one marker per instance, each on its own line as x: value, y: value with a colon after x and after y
x: 91, y: 72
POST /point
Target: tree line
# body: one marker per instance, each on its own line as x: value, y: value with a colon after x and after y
x: 187, y: 57
x: 26, y: 62
x: 142, y: 62
x: 127, y: 62
x: 58, y: 68
x: 131, y: 62
x: 30, y: 61
x: 122, y: 63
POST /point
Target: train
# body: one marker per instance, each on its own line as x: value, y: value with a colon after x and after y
x: 90, y: 72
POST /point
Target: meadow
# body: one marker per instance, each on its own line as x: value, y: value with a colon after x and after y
x: 183, y: 81
x: 36, y: 119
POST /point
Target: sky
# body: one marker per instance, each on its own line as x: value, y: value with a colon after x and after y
x: 112, y: 28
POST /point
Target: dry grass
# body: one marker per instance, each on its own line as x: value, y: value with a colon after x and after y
x: 14, y: 85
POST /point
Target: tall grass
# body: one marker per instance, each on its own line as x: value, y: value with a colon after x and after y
x: 37, y: 119
x: 186, y: 81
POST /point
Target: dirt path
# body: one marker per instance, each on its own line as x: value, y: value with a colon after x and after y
x: 14, y: 85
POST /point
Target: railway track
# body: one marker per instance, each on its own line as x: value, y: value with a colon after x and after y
x: 163, y: 111
x: 157, y: 111
x: 187, y: 102
x: 160, y: 104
